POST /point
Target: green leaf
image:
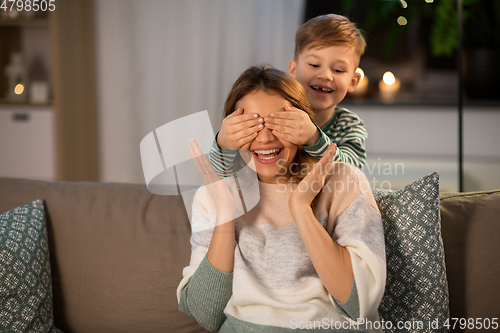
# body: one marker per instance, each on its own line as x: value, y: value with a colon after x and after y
x: 444, y: 31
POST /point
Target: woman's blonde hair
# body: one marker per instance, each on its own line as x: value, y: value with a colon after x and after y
x: 274, y: 81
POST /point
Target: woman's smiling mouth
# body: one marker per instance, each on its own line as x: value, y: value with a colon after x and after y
x: 267, y: 155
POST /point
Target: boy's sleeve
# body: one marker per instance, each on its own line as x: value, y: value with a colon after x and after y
x: 351, y: 144
x: 204, y: 291
x: 318, y: 149
x: 222, y: 159
x: 350, y: 140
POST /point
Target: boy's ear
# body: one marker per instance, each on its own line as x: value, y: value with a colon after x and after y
x: 354, y: 82
x: 292, y: 65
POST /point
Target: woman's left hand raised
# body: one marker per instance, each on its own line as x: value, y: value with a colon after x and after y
x: 305, y: 192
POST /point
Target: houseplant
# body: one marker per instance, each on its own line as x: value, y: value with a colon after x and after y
x: 481, y: 34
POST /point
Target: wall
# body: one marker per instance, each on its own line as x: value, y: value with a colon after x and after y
x: 161, y: 60
x: 407, y: 142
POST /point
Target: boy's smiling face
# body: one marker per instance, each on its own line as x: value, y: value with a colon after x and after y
x: 327, y: 74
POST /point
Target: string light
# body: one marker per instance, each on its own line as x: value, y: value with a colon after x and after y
x: 18, y: 90
x: 402, y: 20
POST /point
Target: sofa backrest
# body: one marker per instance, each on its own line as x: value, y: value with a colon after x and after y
x: 470, y: 226
x: 117, y: 254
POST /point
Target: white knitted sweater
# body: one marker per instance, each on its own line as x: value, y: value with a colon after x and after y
x: 274, y: 286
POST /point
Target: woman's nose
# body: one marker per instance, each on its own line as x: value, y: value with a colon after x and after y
x: 265, y: 135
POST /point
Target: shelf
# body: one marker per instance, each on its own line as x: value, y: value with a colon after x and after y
x: 6, y: 102
x: 47, y: 43
x: 35, y: 22
x: 356, y: 102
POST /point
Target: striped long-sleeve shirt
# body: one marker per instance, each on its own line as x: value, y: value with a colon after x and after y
x: 344, y: 128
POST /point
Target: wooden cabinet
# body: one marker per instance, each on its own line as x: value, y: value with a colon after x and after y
x: 58, y: 47
x: 27, y: 142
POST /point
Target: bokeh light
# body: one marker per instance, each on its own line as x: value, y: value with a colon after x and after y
x: 18, y: 90
x: 389, y: 78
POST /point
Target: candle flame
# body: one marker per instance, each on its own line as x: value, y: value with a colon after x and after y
x: 389, y: 78
x: 18, y: 90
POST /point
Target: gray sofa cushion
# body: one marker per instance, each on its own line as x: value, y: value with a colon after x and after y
x: 470, y: 225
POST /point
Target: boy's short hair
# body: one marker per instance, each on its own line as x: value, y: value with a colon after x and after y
x: 329, y: 30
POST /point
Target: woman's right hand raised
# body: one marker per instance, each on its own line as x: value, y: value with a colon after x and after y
x: 223, y: 196
x: 238, y: 130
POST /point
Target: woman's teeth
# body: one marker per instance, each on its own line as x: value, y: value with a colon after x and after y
x: 322, y: 89
x: 267, y: 154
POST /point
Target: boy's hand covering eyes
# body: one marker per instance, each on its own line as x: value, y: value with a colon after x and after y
x: 293, y: 125
x: 238, y: 130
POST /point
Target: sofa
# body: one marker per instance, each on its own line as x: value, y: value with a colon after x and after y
x: 117, y: 253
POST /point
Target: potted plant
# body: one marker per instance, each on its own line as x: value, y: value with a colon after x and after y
x: 481, y: 34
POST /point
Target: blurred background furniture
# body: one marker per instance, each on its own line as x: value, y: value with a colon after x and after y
x: 118, y: 70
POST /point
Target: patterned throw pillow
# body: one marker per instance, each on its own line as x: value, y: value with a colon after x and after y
x: 25, y: 280
x: 416, y: 294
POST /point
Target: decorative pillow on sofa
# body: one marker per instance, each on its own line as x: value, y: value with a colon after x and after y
x: 416, y: 294
x: 25, y: 279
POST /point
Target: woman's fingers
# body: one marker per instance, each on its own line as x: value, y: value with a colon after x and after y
x: 221, y: 194
x: 314, y: 181
x: 327, y: 161
x: 324, y: 165
x: 195, y: 152
x: 202, y: 163
x: 194, y: 149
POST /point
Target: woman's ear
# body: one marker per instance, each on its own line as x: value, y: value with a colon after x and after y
x: 292, y: 65
x: 356, y: 79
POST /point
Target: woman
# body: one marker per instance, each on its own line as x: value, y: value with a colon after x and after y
x: 311, y: 253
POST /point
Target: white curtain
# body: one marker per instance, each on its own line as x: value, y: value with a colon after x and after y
x: 159, y: 60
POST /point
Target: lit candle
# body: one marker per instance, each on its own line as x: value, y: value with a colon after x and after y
x: 19, y: 89
x: 362, y: 85
x: 17, y: 76
x: 389, y: 87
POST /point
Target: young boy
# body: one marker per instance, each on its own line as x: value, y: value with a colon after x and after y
x: 327, y: 53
